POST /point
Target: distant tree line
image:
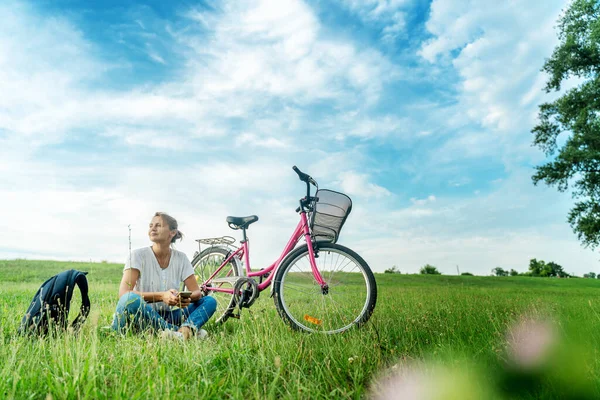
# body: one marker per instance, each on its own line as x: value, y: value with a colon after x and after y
x: 540, y: 268
x: 427, y: 269
x: 393, y: 270
x: 537, y: 268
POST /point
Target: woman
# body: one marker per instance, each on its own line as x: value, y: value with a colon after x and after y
x: 148, y: 293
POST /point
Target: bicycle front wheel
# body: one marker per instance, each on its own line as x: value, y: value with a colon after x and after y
x: 205, y: 264
x: 347, y: 301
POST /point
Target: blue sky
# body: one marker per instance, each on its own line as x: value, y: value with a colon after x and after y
x: 420, y: 111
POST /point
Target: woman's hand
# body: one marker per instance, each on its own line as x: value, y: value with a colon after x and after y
x: 184, y: 301
x: 192, y: 284
x: 170, y: 297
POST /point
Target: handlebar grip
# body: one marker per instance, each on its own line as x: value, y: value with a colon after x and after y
x: 303, y: 177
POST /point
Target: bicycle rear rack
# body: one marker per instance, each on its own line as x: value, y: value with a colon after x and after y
x: 223, y: 240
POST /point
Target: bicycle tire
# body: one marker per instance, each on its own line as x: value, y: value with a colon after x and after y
x: 205, y: 264
x: 304, y: 306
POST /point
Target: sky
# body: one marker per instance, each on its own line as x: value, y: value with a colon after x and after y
x: 421, y: 111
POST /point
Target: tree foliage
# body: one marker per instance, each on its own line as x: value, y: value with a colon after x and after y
x: 577, y: 115
x: 393, y: 270
x: 429, y: 270
x: 498, y: 271
x: 543, y: 269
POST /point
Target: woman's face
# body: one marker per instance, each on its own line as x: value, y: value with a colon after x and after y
x: 159, y: 231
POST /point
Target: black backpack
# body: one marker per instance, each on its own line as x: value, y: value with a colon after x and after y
x: 50, y: 305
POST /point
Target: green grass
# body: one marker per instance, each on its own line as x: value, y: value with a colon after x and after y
x: 38, y: 270
x: 456, y: 325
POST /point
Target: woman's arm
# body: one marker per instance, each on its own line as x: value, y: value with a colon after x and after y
x: 128, y: 281
x: 191, y: 283
x: 130, y: 277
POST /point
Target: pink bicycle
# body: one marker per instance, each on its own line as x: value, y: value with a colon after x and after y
x: 319, y: 286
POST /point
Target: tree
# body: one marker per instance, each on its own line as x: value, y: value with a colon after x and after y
x: 553, y: 269
x: 429, y: 270
x: 590, y: 275
x: 577, y: 115
x: 541, y: 268
x: 466, y: 274
x: 393, y: 270
x: 513, y: 272
x: 536, y: 267
x: 498, y: 271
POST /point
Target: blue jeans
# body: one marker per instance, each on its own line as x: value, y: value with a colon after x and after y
x: 132, y: 311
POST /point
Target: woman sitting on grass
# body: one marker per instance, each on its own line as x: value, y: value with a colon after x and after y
x: 148, y: 293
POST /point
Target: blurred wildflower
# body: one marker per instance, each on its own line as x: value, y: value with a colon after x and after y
x: 540, y: 363
x: 530, y: 343
x: 431, y: 382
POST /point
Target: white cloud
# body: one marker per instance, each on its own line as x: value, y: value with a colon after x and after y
x: 283, y: 54
x: 249, y: 139
x: 70, y: 221
x: 497, y: 53
x: 362, y: 125
x: 39, y: 80
x: 478, y: 255
x: 499, y: 56
x: 239, y: 113
x: 420, y: 202
x: 464, y: 146
x: 154, y: 55
x: 358, y: 184
x: 255, y: 58
x: 386, y: 13
x: 506, y: 227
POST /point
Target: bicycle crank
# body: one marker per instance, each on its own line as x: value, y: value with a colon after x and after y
x: 245, y: 292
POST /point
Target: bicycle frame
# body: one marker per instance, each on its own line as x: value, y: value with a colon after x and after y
x: 302, y: 230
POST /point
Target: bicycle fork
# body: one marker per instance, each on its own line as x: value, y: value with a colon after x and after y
x: 313, y: 252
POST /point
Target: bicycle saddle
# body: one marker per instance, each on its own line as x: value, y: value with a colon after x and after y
x: 241, y: 222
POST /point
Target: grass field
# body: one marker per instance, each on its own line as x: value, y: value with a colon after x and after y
x: 452, y: 337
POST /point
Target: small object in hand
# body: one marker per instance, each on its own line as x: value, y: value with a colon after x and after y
x: 185, y: 294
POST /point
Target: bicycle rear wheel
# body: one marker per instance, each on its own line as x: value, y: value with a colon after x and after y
x: 348, y: 301
x: 205, y: 264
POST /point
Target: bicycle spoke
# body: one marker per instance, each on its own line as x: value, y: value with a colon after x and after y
x: 294, y: 287
x: 345, y: 302
x: 208, y: 263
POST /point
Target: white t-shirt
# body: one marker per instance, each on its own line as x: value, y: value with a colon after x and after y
x: 155, y: 279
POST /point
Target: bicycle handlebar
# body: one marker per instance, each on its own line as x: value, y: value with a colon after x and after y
x: 304, y: 177
x: 305, y: 202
